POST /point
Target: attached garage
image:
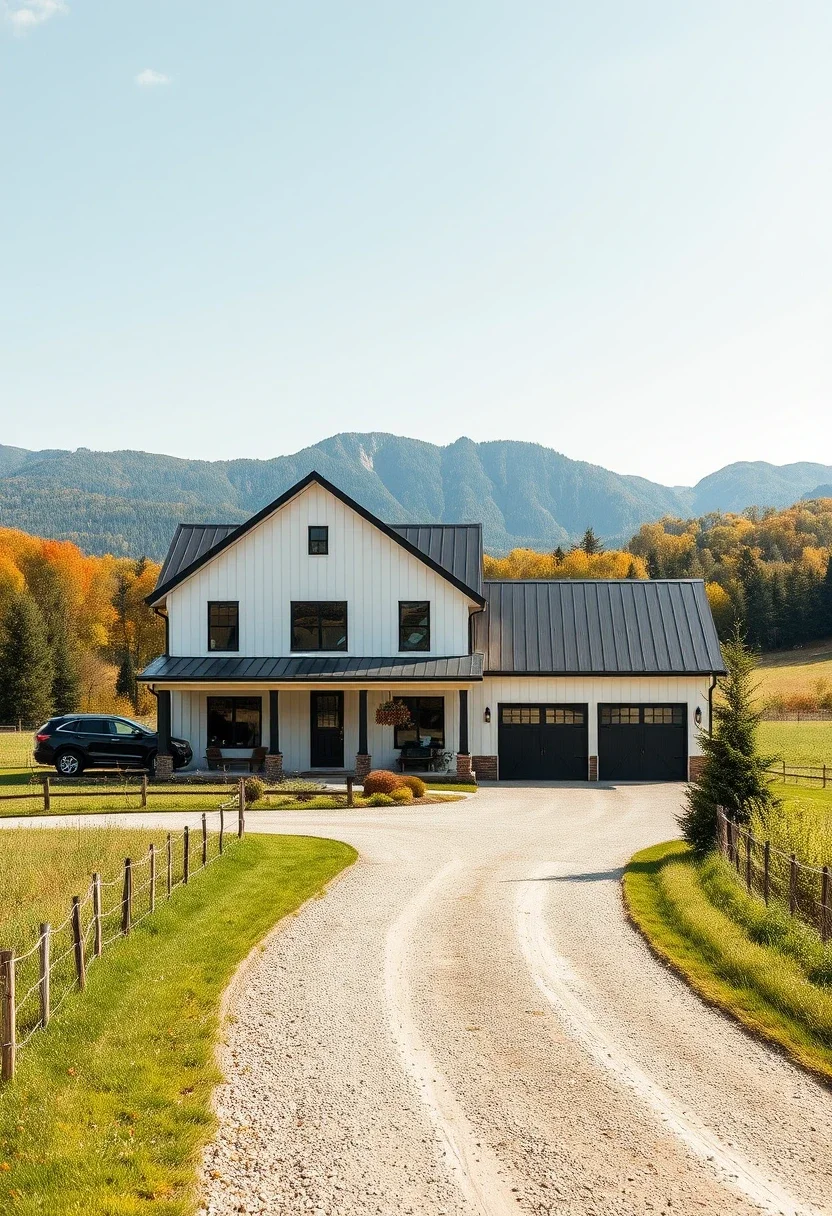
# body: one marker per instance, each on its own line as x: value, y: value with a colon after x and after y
x: 543, y: 742
x: 642, y: 742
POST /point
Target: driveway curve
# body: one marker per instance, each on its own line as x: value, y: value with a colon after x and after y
x: 466, y: 1024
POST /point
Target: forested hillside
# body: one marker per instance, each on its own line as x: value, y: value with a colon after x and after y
x: 524, y: 494
x: 74, y: 629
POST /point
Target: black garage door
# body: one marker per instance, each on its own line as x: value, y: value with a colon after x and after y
x: 642, y: 742
x: 543, y: 742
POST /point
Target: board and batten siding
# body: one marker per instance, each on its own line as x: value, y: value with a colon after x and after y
x: 189, y: 720
x: 270, y: 566
x: 583, y: 690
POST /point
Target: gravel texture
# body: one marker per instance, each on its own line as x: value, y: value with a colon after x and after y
x: 466, y: 1024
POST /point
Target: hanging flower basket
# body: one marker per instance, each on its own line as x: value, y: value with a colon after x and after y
x: 393, y: 713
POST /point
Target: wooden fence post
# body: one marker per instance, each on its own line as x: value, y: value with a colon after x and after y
x: 222, y: 828
x: 96, y: 915
x: 784, y: 768
x: 144, y: 789
x: 241, y: 822
x: 7, y: 1014
x: 792, y: 885
x: 153, y: 878
x: 187, y: 856
x: 204, y: 840
x: 47, y: 800
x: 78, y: 944
x: 350, y: 799
x: 127, y: 898
x: 824, y: 904
x: 824, y: 776
x: 748, y: 846
x: 767, y: 871
x: 170, y: 865
x: 43, y: 979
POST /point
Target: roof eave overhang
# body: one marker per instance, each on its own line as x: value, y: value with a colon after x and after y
x: 156, y: 596
x: 596, y: 674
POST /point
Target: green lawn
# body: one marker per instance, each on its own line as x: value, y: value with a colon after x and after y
x: 802, y: 744
x: 110, y: 1108
x: 779, y: 990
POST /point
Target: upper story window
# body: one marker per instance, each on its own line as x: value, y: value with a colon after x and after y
x: 318, y: 540
x: 414, y: 625
x: 224, y: 625
x: 319, y: 625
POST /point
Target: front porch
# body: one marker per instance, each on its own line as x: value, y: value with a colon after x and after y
x: 321, y: 732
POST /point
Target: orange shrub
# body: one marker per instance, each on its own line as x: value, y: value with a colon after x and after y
x: 381, y: 781
x: 402, y: 793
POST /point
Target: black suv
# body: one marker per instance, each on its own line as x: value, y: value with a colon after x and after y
x: 74, y: 742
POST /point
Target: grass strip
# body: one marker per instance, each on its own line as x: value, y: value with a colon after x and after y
x: 763, y: 989
x: 111, y: 1105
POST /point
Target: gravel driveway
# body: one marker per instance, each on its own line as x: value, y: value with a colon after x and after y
x: 466, y: 1024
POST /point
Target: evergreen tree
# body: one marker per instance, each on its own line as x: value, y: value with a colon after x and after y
x: 824, y: 610
x: 66, y: 677
x: 758, y: 609
x: 654, y: 569
x: 631, y: 570
x: 590, y: 543
x: 126, y: 679
x: 559, y: 556
x: 26, y: 668
x: 734, y: 774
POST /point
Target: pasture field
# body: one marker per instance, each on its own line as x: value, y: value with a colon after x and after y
x: 111, y: 1104
x: 802, y: 744
x: 787, y: 673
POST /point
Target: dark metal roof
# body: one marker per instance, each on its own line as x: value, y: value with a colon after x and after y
x: 191, y: 542
x: 598, y: 627
x: 456, y: 547
x: 178, y: 565
x: 173, y: 669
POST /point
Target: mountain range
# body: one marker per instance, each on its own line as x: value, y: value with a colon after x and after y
x: 129, y: 502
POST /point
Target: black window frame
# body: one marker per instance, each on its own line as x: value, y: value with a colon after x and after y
x: 423, y: 607
x: 417, y: 742
x: 319, y: 627
x: 312, y: 542
x: 235, y: 635
x: 213, y: 740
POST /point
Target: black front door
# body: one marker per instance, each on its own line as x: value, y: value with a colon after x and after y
x: 327, y: 743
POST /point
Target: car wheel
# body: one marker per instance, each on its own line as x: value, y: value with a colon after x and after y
x: 69, y: 764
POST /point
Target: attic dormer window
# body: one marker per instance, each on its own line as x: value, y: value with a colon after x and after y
x: 318, y: 540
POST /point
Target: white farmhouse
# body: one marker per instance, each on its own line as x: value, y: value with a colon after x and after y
x: 292, y: 632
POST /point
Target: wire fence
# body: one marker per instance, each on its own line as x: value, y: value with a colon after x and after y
x: 35, y: 983
x: 776, y: 875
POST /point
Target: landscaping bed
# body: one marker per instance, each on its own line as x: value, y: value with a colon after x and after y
x: 110, y: 1107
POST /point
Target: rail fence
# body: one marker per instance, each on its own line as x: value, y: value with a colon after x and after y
x: 776, y: 875
x: 56, y: 964
x: 822, y: 773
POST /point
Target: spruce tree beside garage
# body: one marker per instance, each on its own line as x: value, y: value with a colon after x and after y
x: 27, y: 669
x: 734, y: 773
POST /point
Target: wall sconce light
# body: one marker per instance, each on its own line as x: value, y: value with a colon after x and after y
x: 487, y: 714
x: 697, y: 717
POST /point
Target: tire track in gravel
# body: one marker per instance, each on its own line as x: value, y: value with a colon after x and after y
x: 557, y: 982
x: 481, y: 1178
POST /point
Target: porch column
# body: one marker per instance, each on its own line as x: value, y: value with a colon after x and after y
x: 363, y: 761
x: 164, y: 760
x: 463, y: 756
x: 273, y: 767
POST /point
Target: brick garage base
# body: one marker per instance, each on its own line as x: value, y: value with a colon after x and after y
x: 273, y: 767
x: 695, y: 766
x: 485, y: 767
x: 463, y: 766
x: 593, y: 768
x: 164, y: 768
x: 363, y: 764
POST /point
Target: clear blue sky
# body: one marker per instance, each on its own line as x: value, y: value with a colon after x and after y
x: 233, y: 230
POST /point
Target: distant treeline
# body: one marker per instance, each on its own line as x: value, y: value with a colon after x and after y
x: 74, y: 629
x: 768, y: 571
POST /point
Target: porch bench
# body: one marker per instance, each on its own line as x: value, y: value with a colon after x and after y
x: 253, y: 762
x: 416, y: 757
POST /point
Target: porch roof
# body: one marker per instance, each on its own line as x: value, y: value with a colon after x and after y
x: 170, y: 669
